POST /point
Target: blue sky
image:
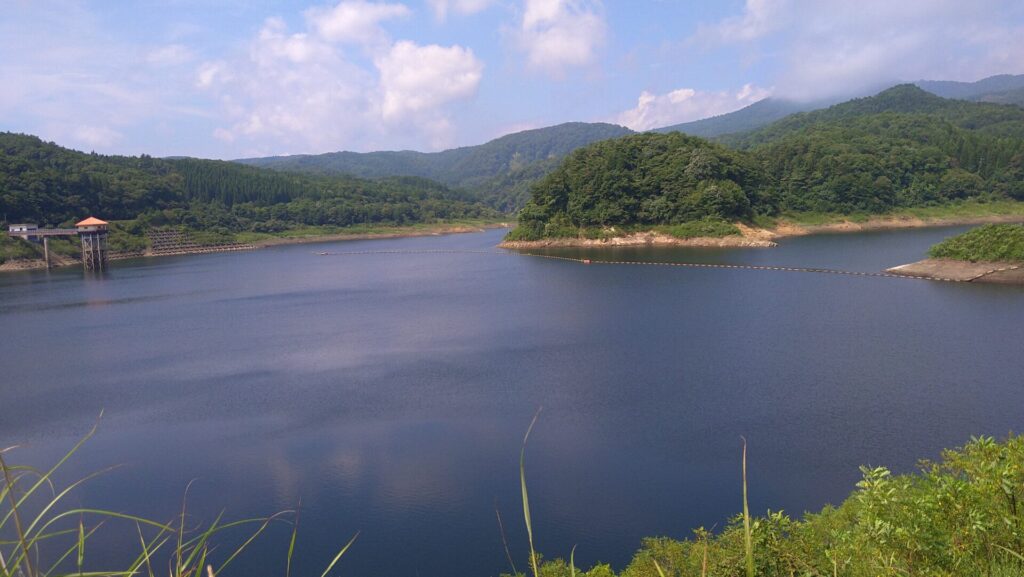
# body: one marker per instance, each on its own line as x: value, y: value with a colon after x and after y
x: 234, y: 78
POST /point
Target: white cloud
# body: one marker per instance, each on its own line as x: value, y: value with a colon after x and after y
x: 170, y: 55
x: 96, y: 136
x: 294, y: 88
x: 443, y: 7
x: 686, y: 104
x: 559, y: 34
x: 417, y: 78
x: 274, y: 43
x: 354, y: 21
x: 209, y: 73
x: 759, y: 17
x: 76, y: 83
x: 827, y: 48
x: 297, y: 91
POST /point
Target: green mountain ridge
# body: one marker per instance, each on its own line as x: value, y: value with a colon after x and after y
x: 44, y: 183
x: 996, y: 119
x: 901, y: 148
x: 745, y: 119
x: 1000, y: 89
x: 501, y: 171
x: 494, y: 169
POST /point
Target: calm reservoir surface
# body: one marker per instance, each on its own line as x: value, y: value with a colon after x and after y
x: 390, y: 392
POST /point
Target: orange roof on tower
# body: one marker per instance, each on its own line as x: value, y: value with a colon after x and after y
x: 92, y: 221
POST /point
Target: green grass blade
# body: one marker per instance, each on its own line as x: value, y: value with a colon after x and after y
x: 504, y: 539
x: 291, y: 543
x: 658, y: 567
x: 748, y: 540
x: 200, y: 544
x: 526, y: 498
x: 70, y: 550
x: 340, y: 553
x: 81, y: 545
x: 572, y: 562
x: 145, y: 550
x: 59, y: 496
x: 24, y: 556
x: 181, y: 530
x: 45, y: 478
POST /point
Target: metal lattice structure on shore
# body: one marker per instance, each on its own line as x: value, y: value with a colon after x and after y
x: 92, y: 232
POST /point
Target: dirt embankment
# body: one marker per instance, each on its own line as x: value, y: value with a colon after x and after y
x: 378, y: 235
x: 22, y: 264
x: 640, y: 239
x: 963, y: 271
x: 35, y: 264
x: 784, y: 229
x: 751, y: 236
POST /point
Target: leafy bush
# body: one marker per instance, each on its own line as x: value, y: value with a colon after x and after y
x: 708, y: 227
x: 962, y: 516
x: 993, y: 242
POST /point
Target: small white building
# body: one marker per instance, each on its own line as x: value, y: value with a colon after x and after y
x: 24, y: 231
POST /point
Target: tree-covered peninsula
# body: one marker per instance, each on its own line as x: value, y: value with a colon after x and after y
x: 903, y: 148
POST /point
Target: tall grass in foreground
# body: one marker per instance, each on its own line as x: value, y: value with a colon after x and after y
x: 40, y: 539
x: 962, y: 516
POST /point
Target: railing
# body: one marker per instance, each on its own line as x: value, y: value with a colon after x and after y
x: 45, y: 232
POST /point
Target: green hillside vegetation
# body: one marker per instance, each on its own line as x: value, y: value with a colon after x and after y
x: 646, y: 178
x: 992, y: 242
x: 902, y: 149
x: 745, y: 119
x: 993, y: 119
x: 15, y: 249
x: 494, y: 170
x: 959, y: 517
x: 44, y: 183
x: 1002, y: 89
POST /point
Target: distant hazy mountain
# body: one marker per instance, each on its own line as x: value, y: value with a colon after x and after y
x: 501, y: 171
x: 993, y: 119
x: 745, y: 119
x: 466, y: 167
x: 1000, y: 89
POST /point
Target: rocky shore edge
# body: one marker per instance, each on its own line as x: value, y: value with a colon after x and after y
x: 751, y: 236
x: 963, y: 271
x: 36, y: 264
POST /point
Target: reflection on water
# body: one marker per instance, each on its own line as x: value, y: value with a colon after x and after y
x: 390, y: 392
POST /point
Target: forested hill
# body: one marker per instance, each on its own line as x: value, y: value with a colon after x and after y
x: 745, y: 119
x: 1000, y: 89
x: 45, y: 183
x: 491, y: 168
x: 994, y: 119
x: 901, y: 148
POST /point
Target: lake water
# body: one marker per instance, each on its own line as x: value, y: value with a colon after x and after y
x: 389, y: 393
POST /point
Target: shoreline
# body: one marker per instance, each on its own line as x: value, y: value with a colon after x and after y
x: 994, y: 272
x: 650, y: 238
x: 788, y: 229
x: 397, y: 233
x: 749, y: 237
x: 40, y: 264
x: 758, y: 237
